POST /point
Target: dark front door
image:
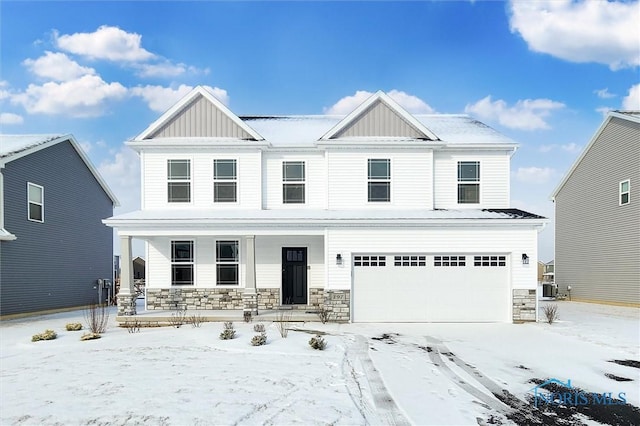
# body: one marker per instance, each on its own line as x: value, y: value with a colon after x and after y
x: 294, y: 275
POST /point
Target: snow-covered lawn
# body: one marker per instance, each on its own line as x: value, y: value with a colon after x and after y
x: 425, y: 374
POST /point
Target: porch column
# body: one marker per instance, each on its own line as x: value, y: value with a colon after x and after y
x: 126, y: 294
x: 250, y: 294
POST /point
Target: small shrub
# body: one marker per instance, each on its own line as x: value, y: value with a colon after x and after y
x: 318, y: 342
x: 259, y: 339
x: 178, y: 318
x: 228, y: 332
x: 73, y: 326
x: 196, y: 320
x: 258, y: 328
x: 324, y: 314
x: 132, y: 326
x: 247, y: 316
x: 46, y: 335
x: 90, y: 336
x: 550, y: 312
x: 282, y: 323
x: 97, y: 318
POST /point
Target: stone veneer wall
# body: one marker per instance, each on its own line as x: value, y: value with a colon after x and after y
x: 194, y: 298
x: 524, y: 305
x: 127, y: 304
x: 268, y: 298
x: 316, y: 297
x: 339, y: 303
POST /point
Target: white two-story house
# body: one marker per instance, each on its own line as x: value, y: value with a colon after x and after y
x: 377, y: 216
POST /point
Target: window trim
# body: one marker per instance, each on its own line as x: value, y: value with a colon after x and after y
x: 378, y: 180
x: 171, y: 180
x: 235, y: 262
x: 622, y: 193
x: 294, y: 181
x: 41, y: 203
x: 233, y: 180
x: 463, y: 181
x: 190, y: 263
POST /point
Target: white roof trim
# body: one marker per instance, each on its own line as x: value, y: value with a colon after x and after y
x: 605, y: 123
x: 6, y: 235
x: 68, y: 137
x: 179, y: 106
x: 383, y: 97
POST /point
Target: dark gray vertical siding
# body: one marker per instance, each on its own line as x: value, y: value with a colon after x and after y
x: 597, y: 240
x: 54, y: 264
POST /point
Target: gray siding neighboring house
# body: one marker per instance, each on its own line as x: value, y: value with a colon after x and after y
x: 51, y: 264
x: 597, y: 236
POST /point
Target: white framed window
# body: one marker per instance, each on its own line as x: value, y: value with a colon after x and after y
x: 449, y: 261
x: 625, y: 187
x: 489, y: 261
x: 409, y: 261
x: 182, y: 262
x: 225, y: 181
x: 370, y: 261
x: 379, y: 180
x: 35, y: 202
x: 179, y: 181
x: 468, y: 182
x: 227, y: 262
x: 293, y: 182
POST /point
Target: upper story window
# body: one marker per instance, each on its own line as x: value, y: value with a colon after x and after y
x: 182, y: 262
x: 227, y: 262
x: 379, y: 180
x: 468, y: 182
x: 293, y: 182
x: 35, y: 202
x: 225, y: 181
x: 624, y: 192
x: 179, y: 181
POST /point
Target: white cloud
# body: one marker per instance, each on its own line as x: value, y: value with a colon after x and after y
x: 122, y: 174
x: 163, y: 69
x: 535, y: 175
x: 605, y: 32
x: 162, y: 98
x: 10, y: 118
x: 526, y: 114
x: 632, y: 100
x: 110, y: 43
x: 86, y: 96
x: 4, y: 94
x: 604, y: 93
x: 411, y: 103
x: 57, y: 66
x: 568, y: 147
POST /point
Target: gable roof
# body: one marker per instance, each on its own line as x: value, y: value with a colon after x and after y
x: 204, y: 106
x: 633, y: 116
x: 13, y: 147
x: 381, y: 100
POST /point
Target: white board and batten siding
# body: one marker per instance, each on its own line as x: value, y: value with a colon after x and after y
x: 154, y: 178
x: 411, y: 179
x: 315, y: 179
x: 494, y: 179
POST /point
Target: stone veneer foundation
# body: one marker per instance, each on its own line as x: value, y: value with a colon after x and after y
x: 339, y: 303
x: 524, y: 305
x: 127, y: 304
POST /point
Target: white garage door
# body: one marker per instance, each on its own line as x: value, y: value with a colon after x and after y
x: 431, y: 288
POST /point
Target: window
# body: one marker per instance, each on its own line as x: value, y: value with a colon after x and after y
x: 35, y: 202
x: 181, y: 262
x: 227, y: 261
x: 409, y: 261
x: 369, y: 261
x: 489, y: 261
x: 179, y: 177
x: 449, y: 261
x: 624, y: 192
x: 224, y: 181
x: 293, y: 180
x: 468, y: 182
x: 379, y: 180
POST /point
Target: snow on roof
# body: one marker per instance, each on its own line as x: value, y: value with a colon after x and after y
x: 305, y: 130
x: 14, y: 144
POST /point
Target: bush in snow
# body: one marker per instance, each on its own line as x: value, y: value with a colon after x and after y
x: 258, y: 328
x: 259, y: 339
x: 90, y: 336
x: 318, y: 343
x: 228, y: 332
x: 46, y: 335
x: 97, y: 318
x: 247, y: 316
x: 73, y: 326
x: 550, y: 312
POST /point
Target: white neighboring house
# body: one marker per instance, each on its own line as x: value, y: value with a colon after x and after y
x: 379, y: 216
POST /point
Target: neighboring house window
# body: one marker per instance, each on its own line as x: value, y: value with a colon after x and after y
x: 179, y: 177
x: 468, y: 182
x: 624, y: 192
x: 227, y: 262
x: 181, y: 262
x: 293, y: 182
x: 225, y: 181
x: 35, y: 202
x: 379, y: 180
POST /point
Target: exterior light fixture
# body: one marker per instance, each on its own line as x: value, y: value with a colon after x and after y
x: 338, y: 259
x: 525, y: 259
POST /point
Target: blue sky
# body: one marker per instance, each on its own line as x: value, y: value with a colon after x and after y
x: 543, y: 73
